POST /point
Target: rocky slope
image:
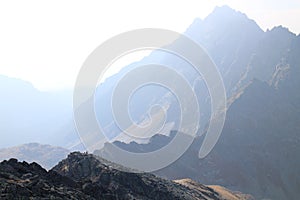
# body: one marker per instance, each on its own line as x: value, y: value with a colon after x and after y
x: 223, y: 192
x: 84, y: 176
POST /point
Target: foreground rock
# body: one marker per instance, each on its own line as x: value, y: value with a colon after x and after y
x: 83, y: 176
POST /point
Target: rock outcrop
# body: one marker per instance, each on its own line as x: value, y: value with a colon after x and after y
x: 85, y: 176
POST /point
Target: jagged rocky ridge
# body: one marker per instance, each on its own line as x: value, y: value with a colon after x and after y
x: 84, y: 176
x: 46, y: 155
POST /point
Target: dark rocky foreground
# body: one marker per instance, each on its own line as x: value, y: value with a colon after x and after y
x: 46, y: 155
x: 84, y: 176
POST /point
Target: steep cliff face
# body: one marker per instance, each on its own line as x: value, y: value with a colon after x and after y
x: 84, y: 176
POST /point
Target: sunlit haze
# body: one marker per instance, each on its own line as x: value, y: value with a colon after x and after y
x: 46, y: 42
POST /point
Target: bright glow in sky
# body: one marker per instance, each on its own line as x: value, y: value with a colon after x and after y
x: 46, y: 42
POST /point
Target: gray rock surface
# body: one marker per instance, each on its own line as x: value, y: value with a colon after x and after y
x: 85, y: 176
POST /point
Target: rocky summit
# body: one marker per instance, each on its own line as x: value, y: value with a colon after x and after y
x: 85, y: 176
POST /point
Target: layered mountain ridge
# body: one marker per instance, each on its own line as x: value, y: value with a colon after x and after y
x: 241, y: 51
x: 258, y: 150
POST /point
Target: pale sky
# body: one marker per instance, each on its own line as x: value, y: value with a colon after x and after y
x: 46, y: 42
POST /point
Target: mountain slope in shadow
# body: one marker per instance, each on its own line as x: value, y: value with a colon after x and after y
x: 258, y: 151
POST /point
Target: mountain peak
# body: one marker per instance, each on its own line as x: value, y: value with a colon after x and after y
x: 225, y: 17
x: 227, y: 12
x: 224, y: 8
x: 280, y: 30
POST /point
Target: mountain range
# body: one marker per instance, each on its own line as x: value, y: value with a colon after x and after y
x: 241, y: 51
x: 258, y: 150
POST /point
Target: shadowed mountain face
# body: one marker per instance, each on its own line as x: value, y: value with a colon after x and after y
x: 83, y: 176
x: 258, y: 151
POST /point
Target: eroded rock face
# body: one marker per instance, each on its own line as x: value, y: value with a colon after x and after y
x: 20, y: 180
x: 103, y: 179
x: 84, y: 176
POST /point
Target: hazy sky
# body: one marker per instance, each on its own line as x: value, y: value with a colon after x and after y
x: 46, y: 42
